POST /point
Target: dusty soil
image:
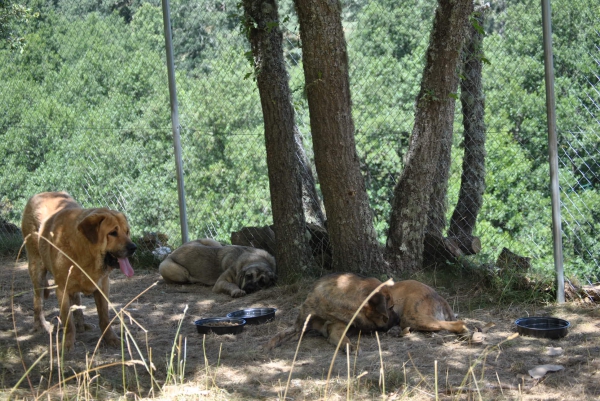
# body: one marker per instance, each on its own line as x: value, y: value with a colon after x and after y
x: 235, y: 367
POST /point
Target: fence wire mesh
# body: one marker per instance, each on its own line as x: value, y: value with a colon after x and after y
x: 86, y: 109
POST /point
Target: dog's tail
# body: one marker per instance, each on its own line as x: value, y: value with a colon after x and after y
x: 283, y: 336
x: 457, y: 326
x: 427, y: 323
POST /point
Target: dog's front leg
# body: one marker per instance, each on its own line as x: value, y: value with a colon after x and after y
x: 102, y: 306
x: 335, y: 332
x: 226, y: 287
x: 77, y: 313
x: 64, y: 302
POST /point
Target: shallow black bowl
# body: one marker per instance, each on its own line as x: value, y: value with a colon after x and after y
x: 254, y: 315
x: 542, y: 327
x: 220, y: 325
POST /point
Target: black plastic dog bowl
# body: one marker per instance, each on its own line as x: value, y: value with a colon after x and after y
x: 254, y: 315
x: 542, y: 327
x: 220, y: 325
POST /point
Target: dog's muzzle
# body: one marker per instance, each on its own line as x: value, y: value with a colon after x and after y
x: 131, y: 247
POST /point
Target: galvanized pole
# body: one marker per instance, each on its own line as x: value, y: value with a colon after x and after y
x: 553, y: 151
x: 175, y: 121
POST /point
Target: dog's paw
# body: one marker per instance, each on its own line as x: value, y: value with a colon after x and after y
x: 68, y: 346
x: 81, y: 327
x: 237, y: 293
x: 351, y: 349
x: 43, y: 326
x: 111, y: 339
x: 69, y: 342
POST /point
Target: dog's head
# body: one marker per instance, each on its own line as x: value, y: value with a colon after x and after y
x: 380, y: 310
x: 256, y: 276
x: 108, y: 231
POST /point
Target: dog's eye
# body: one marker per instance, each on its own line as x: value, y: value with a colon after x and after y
x: 113, y: 233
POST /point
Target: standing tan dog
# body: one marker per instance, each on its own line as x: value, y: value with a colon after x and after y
x: 331, y: 304
x: 232, y: 269
x: 79, y: 247
x: 421, y: 308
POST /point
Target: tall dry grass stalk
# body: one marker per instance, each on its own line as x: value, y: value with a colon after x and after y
x: 381, y: 370
x: 287, y: 386
x: 176, y: 373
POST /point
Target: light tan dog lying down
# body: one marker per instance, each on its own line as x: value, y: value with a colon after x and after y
x: 231, y: 269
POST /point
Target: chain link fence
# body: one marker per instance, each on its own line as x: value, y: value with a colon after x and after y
x: 86, y: 109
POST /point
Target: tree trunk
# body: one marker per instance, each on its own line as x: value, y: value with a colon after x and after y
x: 349, y: 217
x: 310, y: 198
x: 285, y: 172
x: 433, y: 120
x: 438, y: 203
x: 472, y: 185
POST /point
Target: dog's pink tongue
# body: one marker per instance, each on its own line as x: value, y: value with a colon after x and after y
x: 126, y: 267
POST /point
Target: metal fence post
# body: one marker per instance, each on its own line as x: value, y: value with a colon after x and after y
x: 553, y: 151
x: 175, y: 121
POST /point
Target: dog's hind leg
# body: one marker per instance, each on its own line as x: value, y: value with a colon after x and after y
x: 174, y: 272
x: 40, y: 289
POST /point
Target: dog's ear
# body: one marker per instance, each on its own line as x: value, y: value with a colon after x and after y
x: 89, y: 227
x: 389, y: 300
x: 377, y: 304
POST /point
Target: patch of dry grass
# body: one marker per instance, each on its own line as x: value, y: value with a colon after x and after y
x: 163, y: 357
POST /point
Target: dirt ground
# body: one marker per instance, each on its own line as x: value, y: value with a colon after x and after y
x: 234, y: 367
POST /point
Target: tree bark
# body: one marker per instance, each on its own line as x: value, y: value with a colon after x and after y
x: 433, y: 120
x: 285, y: 172
x: 439, y: 248
x: 438, y: 203
x: 310, y: 198
x: 472, y: 184
x: 349, y: 217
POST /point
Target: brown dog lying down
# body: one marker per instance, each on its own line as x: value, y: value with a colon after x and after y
x: 97, y: 240
x: 421, y: 308
x: 333, y: 301
x: 231, y: 269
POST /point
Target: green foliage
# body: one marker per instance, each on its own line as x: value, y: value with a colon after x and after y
x: 517, y: 210
x: 85, y: 108
x: 13, y: 17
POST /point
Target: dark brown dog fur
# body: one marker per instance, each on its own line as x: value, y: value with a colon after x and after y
x: 230, y: 269
x: 331, y: 304
x: 79, y: 247
x: 421, y: 308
